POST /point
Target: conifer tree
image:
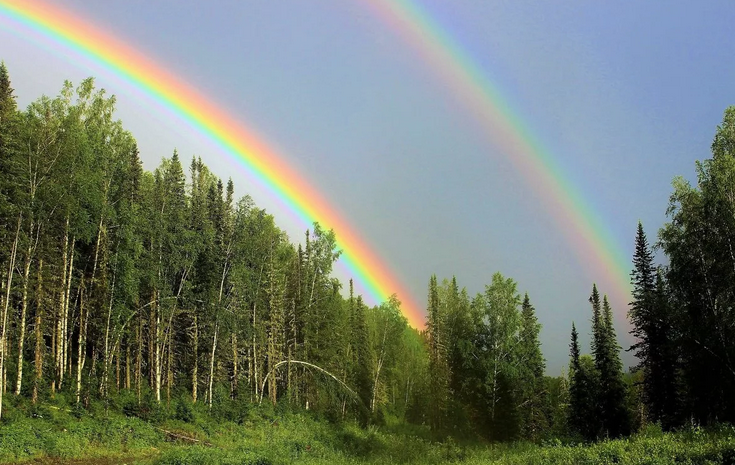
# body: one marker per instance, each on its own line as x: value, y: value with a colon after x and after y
x: 612, y: 382
x: 8, y: 143
x: 531, y: 373
x: 583, y: 418
x: 438, y: 362
x: 650, y: 317
x: 612, y: 411
x: 364, y: 361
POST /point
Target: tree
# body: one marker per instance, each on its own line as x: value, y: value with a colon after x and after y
x: 612, y: 411
x: 698, y: 241
x: 531, y: 374
x: 438, y: 362
x: 583, y: 391
x: 651, y: 320
x: 463, y: 330
x: 364, y: 360
x: 501, y: 336
x: 8, y: 149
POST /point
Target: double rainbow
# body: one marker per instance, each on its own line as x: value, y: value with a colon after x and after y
x: 586, y: 233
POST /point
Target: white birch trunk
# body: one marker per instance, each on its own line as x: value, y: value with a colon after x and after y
x: 6, y: 304
x: 23, y: 313
x: 195, y: 371
x: 39, y: 333
x: 211, y: 364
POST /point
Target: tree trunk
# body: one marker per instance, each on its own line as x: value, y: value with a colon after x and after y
x: 65, y: 334
x: 127, y: 364
x: 289, y: 387
x: 107, y: 356
x: 233, y: 388
x: 54, y: 331
x: 39, y: 332
x: 83, y: 319
x: 117, y: 369
x: 195, y: 371
x: 377, y: 371
x: 6, y: 304
x: 255, y: 355
x: 211, y: 363
x: 24, y: 309
x: 139, y: 357
x: 169, y: 369
x: 82, y: 345
x: 250, y: 372
x: 58, y: 351
x: 157, y: 354
x: 152, y: 341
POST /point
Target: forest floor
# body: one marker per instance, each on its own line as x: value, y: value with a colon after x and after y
x: 49, y: 434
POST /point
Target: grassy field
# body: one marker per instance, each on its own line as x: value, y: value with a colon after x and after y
x: 186, y: 434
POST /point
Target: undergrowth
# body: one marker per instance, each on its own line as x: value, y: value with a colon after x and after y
x: 239, y: 434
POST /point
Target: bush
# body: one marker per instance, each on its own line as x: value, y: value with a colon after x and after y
x: 184, y: 411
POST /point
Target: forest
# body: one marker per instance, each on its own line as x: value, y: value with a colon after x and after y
x: 155, y: 307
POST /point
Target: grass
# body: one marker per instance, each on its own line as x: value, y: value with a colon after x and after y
x: 238, y: 434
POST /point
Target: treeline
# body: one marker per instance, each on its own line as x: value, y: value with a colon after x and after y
x: 161, y: 286
x: 683, y: 314
x: 118, y: 280
x: 165, y: 290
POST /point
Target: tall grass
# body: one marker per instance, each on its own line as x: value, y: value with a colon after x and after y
x: 239, y: 433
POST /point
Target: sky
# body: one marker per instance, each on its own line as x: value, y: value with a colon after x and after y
x: 622, y: 97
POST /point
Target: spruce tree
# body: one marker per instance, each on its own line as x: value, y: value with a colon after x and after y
x: 438, y: 362
x: 613, y: 390
x: 531, y: 368
x: 582, y: 417
x: 598, y: 334
x: 650, y: 317
x: 611, y: 406
x: 363, y: 361
x: 8, y: 142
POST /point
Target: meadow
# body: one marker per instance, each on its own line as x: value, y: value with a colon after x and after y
x: 189, y: 434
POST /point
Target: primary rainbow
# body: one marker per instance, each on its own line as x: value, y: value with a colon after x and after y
x: 590, y: 239
x: 240, y: 143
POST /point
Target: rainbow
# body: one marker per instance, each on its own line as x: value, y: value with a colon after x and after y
x: 237, y: 142
x: 597, y: 250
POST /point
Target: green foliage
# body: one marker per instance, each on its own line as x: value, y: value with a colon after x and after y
x: 184, y: 411
x: 50, y: 431
x: 697, y: 292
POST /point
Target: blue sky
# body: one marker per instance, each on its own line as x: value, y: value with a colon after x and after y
x: 625, y: 96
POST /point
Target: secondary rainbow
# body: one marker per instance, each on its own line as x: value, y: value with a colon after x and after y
x: 240, y: 143
x: 586, y: 232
